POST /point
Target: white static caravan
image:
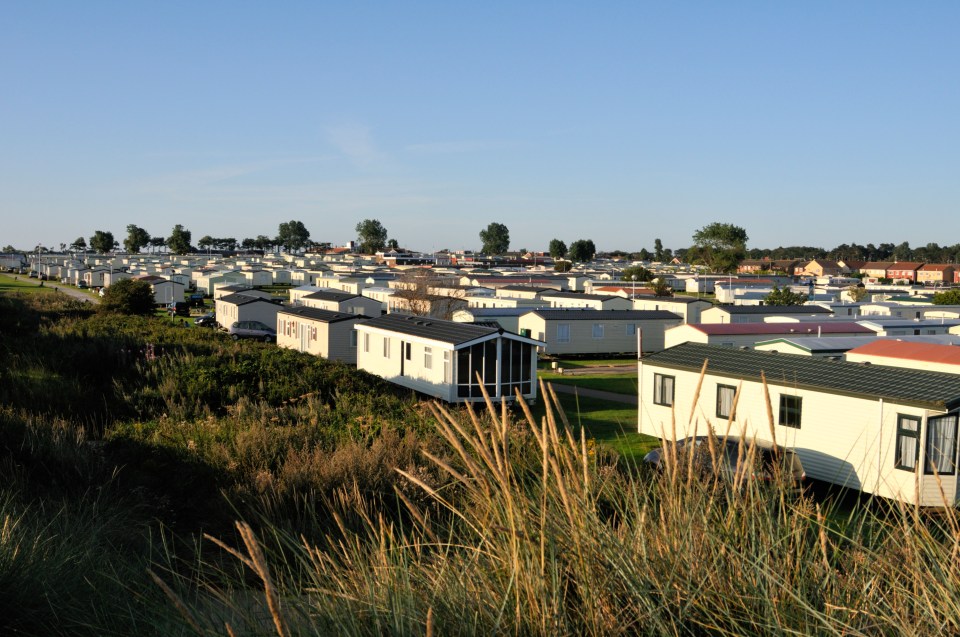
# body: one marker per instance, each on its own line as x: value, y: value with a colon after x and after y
x: 244, y: 307
x: 687, y: 307
x: 579, y: 331
x: 334, y: 301
x: 887, y: 431
x: 443, y: 358
x: 319, y: 332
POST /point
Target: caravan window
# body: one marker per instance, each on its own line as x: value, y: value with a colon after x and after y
x: 941, y: 448
x: 663, y: 390
x: 725, y: 394
x: 908, y: 443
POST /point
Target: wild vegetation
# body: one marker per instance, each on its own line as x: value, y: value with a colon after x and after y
x: 166, y: 481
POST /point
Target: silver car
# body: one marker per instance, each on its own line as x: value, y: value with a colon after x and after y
x: 731, y: 451
x: 252, y: 329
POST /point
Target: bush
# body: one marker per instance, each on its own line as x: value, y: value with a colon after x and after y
x: 128, y: 296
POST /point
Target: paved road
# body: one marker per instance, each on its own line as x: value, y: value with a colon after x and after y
x: 626, y: 399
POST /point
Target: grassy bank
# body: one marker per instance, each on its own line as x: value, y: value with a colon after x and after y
x: 216, y: 488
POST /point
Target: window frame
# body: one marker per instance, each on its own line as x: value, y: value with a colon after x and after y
x: 906, y: 433
x: 658, y: 389
x: 597, y: 331
x: 565, y: 338
x: 428, y: 358
x: 927, y: 467
x: 733, y: 396
x: 787, y: 410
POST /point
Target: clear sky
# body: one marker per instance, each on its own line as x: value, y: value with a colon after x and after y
x: 807, y: 123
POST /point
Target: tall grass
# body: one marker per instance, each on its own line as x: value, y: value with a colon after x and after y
x: 533, y: 534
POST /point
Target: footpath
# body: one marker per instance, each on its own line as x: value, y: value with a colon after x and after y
x: 57, y: 287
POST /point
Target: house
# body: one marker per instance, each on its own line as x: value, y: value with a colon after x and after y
x: 589, y: 301
x: 759, y: 313
x: 444, y: 358
x: 933, y: 273
x: 904, y: 271
x: 747, y: 335
x: 344, y: 302
x: 876, y: 269
x: 245, y: 307
x: 580, y: 331
x: 887, y: 431
x: 687, y: 307
x: 818, y: 268
x: 330, y: 335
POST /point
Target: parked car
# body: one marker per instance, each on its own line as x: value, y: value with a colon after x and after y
x: 207, y: 320
x: 252, y: 329
x: 730, y: 452
x: 82, y: 285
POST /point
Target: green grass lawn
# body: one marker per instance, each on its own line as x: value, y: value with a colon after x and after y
x: 617, y: 383
x: 20, y: 284
x: 612, y: 424
x: 579, y: 363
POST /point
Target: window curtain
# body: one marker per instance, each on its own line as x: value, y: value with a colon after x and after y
x: 942, y: 444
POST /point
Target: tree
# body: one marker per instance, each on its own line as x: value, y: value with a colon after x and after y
x: 857, y: 293
x: 157, y: 242
x: 562, y: 266
x: 658, y: 250
x: 558, y: 249
x: 784, y: 296
x: 293, y: 235
x: 636, y: 273
x: 205, y: 242
x: 128, y: 296
x: 179, y: 240
x: 496, y: 239
x: 393, y: 244
x: 661, y: 287
x: 102, y: 241
x: 137, y: 238
x: 423, y: 292
x: 582, y: 250
x: 371, y: 236
x: 79, y: 244
x: 720, y: 246
x: 947, y: 297
x: 263, y: 242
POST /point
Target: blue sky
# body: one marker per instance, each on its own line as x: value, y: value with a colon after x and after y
x: 807, y: 123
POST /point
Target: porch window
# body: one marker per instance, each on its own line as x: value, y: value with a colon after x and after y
x: 790, y: 410
x: 941, y: 449
x: 663, y: 390
x: 725, y: 394
x: 563, y: 333
x: 908, y: 443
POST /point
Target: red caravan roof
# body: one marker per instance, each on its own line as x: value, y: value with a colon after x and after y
x: 924, y: 352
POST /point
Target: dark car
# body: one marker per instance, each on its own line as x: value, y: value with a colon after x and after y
x: 207, y: 320
x: 767, y: 458
x: 252, y: 329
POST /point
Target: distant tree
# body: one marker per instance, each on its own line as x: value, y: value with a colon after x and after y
x: 784, y: 296
x: 79, y: 244
x: 179, y: 240
x: 293, y: 235
x: 248, y: 243
x: 903, y: 252
x: 128, y: 296
x: 205, y: 242
x: 496, y: 239
x: 371, y: 235
x: 857, y: 293
x: 661, y: 287
x: 425, y: 293
x: 720, y: 246
x: 393, y: 244
x: 562, y: 266
x: 137, y: 238
x: 102, y: 241
x: 582, y: 250
x: 658, y: 250
x: 263, y: 242
x: 558, y: 249
x: 636, y: 273
x: 9, y: 249
x: 947, y: 297
x: 644, y: 254
x: 157, y: 242
x: 228, y: 243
